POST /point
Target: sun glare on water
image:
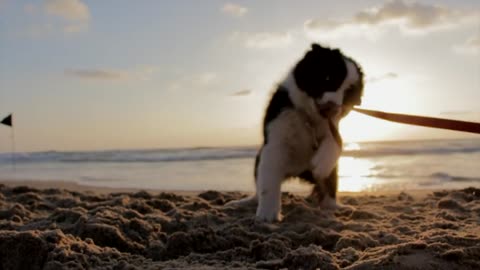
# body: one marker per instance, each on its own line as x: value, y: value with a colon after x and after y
x: 354, y: 174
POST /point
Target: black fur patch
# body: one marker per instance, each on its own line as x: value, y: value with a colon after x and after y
x: 280, y: 101
x: 326, y: 186
x: 331, y: 183
x: 307, y: 176
x: 257, y: 161
x: 321, y: 70
x: 353, y: 95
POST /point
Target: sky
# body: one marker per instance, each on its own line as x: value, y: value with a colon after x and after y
x: 91, y: 75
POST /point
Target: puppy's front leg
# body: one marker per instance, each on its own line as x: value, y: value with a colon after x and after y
x: 329, y: 200
x: 325, y: 171
x: 271, y: 173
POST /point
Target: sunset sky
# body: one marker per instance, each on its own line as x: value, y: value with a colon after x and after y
x: 87, y: 75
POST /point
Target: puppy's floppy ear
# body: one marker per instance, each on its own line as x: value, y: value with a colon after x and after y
x: 318, y: 49
x: 316, y: 46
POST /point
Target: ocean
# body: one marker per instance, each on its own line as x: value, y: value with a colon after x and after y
x: 369, y: 166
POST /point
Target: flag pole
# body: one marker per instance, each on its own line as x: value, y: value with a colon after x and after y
x: 14, y: 164
x: 8, y: 121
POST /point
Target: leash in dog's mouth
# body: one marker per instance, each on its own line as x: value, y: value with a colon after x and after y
x: 423, y: 121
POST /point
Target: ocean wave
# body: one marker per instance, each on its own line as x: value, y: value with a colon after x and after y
x: 435, y: 177
x: 447, y: 177
x: 411, y: 151
x: 365, y: 150
x: 133, y: 156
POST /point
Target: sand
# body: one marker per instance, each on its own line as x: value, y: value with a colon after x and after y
x: 57, y: 228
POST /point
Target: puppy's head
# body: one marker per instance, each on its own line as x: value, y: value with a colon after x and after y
x: 330, y: 78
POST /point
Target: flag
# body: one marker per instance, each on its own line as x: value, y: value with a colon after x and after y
x: 7, y: 121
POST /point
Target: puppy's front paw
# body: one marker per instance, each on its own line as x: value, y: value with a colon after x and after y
x: 343, y: 207
x: 268, y: 214
x: 329, y: 203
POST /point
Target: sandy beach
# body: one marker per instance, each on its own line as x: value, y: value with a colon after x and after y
x: 65, y: 226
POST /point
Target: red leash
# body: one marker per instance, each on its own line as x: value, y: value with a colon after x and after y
x: 424, y: 121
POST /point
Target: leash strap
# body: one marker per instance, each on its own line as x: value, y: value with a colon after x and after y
x: 424, y: 121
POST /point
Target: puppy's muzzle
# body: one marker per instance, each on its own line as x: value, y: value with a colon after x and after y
x: 329, y: 109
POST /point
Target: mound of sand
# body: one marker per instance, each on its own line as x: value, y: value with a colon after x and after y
x: 61, y: 229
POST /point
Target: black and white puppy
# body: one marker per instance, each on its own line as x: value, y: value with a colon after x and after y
x: 300, y: 129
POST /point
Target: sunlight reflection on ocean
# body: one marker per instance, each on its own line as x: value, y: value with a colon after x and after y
x: 356, y: 174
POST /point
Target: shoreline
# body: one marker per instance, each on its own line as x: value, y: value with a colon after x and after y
x: 73, y: 186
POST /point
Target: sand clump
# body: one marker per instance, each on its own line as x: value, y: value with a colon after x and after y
x: 61, y: 229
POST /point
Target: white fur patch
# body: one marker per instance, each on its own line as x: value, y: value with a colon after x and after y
x: 326, y: 157
x: 352, y: 77
x: 288, y: 152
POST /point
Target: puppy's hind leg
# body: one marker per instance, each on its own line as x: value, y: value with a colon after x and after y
x: 271, y: 173
x: 251, y: 200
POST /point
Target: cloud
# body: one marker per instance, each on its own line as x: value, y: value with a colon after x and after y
x: 410, y: 17
x: 67, y: 16
x: 241, y: 93
x: 470, y: 46
x: 75, y: 28
x: 386, y: 76
x: 414, y: 15
x: 323, y: 24
x: 110, y: 74
x: 194, y: 81
x: 97, y: 74
x: 204, y: 78
x: 72, y: 10
x: 459, y: 112
x: 263, y: 40
x: 234, y: 10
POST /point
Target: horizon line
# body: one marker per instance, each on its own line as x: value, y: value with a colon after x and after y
x: 231, y: 146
